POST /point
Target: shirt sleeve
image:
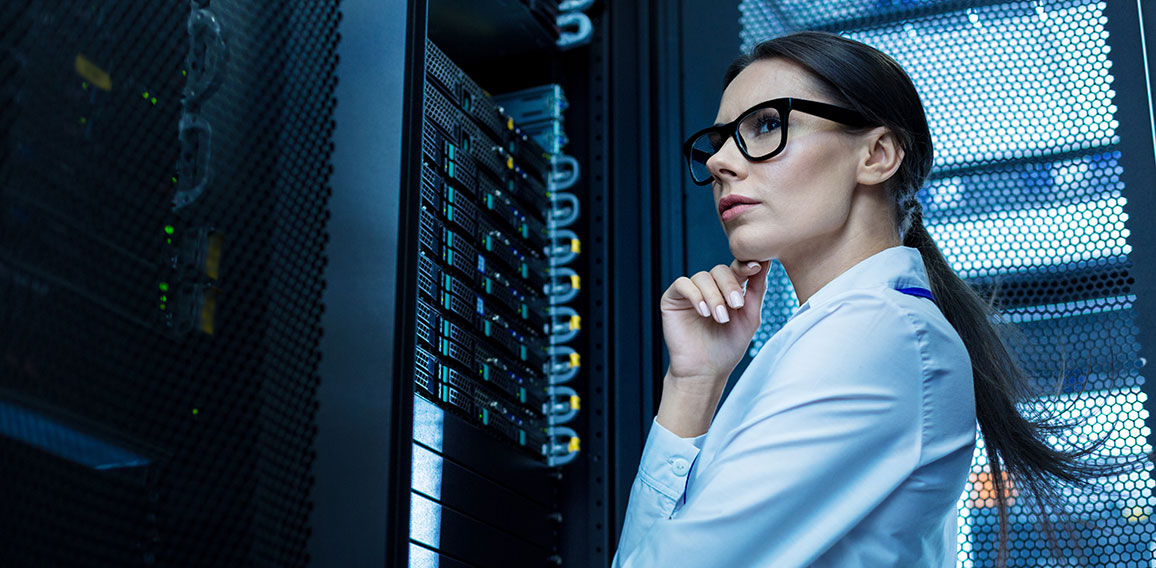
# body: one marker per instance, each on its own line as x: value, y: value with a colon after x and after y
x: 660, y: 483
x: 834, y: 431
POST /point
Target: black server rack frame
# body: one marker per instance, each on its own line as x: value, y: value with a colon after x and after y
x: 467, y: 227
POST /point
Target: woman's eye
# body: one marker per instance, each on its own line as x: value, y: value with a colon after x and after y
x: 765, y: 124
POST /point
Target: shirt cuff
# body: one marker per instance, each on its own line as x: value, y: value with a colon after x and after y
x: 667, y: 459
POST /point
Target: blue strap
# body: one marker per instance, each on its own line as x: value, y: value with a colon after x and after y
x: 921, y: 292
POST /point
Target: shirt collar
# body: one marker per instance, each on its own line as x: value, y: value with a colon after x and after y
x: 896, y: 267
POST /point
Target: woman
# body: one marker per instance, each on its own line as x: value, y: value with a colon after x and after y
x: 847, y: 442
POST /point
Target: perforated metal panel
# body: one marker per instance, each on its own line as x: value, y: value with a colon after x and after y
x: 1025, y: 200
x: 158, y: 360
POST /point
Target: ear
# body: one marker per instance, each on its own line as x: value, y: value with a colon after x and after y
x: 882, y: 157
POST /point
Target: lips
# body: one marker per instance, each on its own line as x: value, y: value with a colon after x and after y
x: 731, y: 205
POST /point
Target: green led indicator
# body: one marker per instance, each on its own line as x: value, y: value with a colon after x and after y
x: 144, y: 95
x: 84, y: 85
x: 153, y: 101
x: 168, y: 241
x: 184, y: 73
x: 174, y: 178
x: 164, y: 286
x: 169, y: 229
x: 164, y: 298
x: 83, y: 120
x: 162, y: 307
x: 196, y: 412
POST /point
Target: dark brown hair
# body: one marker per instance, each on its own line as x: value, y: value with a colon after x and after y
x: 863, y: 78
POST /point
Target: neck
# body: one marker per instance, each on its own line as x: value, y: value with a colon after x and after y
x: 812, y: 265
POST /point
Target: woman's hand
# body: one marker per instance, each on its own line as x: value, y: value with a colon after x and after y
x: 708, y: 322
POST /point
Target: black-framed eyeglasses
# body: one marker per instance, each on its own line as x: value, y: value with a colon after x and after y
x: 760, y: 132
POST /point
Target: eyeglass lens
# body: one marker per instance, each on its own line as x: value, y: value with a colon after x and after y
x: 761, y: 133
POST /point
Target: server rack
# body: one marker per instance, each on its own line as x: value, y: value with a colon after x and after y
x: 163, y: 184
x: 488, y: 470
x: 497, y: 500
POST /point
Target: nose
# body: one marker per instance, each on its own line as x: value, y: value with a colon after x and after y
x: 728, y: 164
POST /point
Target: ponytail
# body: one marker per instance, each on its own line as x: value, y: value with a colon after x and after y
x: 1014, y: 444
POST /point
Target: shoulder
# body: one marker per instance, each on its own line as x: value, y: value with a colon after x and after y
x: 865, y: 336
x: 862, y: 328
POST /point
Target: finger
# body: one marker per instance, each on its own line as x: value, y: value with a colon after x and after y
x: 746, y: 268
x: 731, y: 285
x: 757, y: 283
x: 686, y: 289
x: 713, y: 295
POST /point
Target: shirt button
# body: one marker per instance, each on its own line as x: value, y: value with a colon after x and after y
x: 680, y: 466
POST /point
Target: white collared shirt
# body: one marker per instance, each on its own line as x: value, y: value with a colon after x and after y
x: 846, y: 442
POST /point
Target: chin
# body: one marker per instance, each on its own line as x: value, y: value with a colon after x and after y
x: 758, y: 251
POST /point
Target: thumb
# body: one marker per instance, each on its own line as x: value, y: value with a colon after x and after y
x: 757, y: 282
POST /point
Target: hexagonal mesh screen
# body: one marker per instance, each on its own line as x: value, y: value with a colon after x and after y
x: 1025, y: 201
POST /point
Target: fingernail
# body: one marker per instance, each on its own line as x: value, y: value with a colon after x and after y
x: 703, y: 309
x: 753, y: 265
x: 736, y: 299
x: 721, y: 311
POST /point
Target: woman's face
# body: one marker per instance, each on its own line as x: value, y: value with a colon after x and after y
x: 803, y: 194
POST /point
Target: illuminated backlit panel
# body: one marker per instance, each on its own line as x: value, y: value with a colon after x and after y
x: 1026, y: 201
